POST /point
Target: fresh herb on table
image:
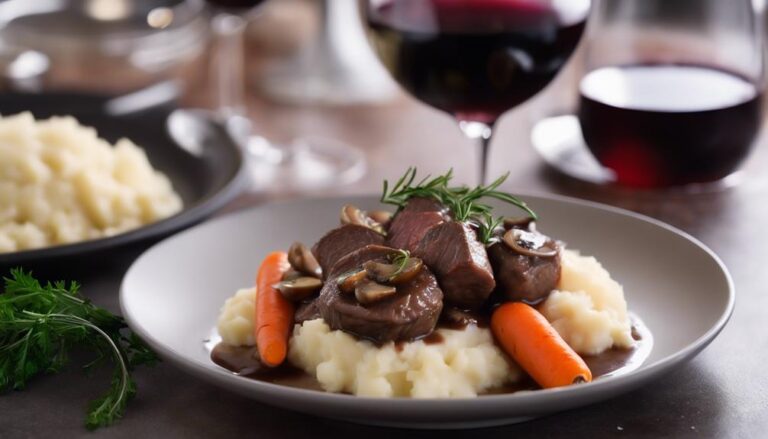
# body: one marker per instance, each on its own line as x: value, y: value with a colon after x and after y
x: 465, y: 202
x: 41, y: 324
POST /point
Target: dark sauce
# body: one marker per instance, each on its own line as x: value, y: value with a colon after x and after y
x: 244, y: 361
x: 433, y: 338
x: 458, y: 319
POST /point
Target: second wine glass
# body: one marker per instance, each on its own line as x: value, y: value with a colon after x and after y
x: 475, y: 59
x: 307, y: 162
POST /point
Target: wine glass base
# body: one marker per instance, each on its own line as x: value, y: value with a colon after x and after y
x: 559, y: 141
x: 306, y: 164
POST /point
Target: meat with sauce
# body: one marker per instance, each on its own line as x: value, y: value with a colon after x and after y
x: 522, y: 277
x: 460, y: 263
x: 410, y: 225
x: 342, y: 241
x: 410, y: 314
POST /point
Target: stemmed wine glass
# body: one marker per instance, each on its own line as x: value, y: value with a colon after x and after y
x: 307, y: 162
x: 475, y: 59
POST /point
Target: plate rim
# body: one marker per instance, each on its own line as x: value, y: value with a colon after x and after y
x: 541, y: 396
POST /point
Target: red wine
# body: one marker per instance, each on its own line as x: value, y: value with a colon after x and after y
x: 475, y: 58
x: 235, y: 4
x: 666, y: 125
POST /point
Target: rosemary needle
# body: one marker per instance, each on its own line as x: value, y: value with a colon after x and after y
x: 465, y: 203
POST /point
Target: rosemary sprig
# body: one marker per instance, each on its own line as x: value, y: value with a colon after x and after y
x: 487, y: 227
x: 404, y: 188
x: 465, y: 203
x: 400, y: 260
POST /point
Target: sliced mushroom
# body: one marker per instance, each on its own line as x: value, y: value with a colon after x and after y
x: 348, y: 281
x: 352, y: 215
x: 292, y: 274
x: 520, y: 222
x: 393, y: 274
x: 302, y: 260
x: 296, y: 290
x: 528, y: 243
x: 368, y: 292
x: 380, y: 216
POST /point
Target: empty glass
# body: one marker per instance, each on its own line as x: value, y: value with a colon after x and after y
x: 306, y: 163
x: 112, y: 47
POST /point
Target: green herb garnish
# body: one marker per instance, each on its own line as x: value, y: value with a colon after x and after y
x: 465, y: 202
x: 399, y: 260
x: 40, y: 324
x: 404, y: 188
x: 487, y: 227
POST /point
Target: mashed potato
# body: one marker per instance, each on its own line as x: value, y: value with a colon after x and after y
x: 464, y: 364
x: 60, y: 183
x: 588, y: 310
x: 235, y: 324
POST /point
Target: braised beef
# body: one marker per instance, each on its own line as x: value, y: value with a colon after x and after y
x: 411, y: 313
x: 411, y: 224
x: 342, y: 241
x: 460, y: 263
x: 306, y: 311
x: 525, y: 278
x: 458, y: 319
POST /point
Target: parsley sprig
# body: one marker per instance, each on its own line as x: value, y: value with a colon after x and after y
x: 40, y: 324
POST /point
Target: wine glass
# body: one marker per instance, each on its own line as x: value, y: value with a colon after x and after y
x: 475, y: 59
x: 304, y: 164
x: 335, y: 67
x: 671, y: 94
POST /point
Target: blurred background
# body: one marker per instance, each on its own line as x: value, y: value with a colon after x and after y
x: 303, y: 78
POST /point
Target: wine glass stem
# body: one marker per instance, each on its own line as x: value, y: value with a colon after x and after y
x: 482, y: 133
x: 228, y: 69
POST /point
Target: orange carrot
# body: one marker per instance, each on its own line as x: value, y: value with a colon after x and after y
x: 537, y: 347
x: 274, y: 314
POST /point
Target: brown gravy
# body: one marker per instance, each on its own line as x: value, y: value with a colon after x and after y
x: 244, y: 361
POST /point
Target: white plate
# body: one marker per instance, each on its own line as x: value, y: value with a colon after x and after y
x: 172, y: 294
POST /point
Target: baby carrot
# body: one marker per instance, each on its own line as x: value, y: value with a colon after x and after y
x: 274, y: 314
x: 537, y: 347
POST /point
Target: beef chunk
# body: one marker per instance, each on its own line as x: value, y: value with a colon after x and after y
x: 410, y: 314
x: 411, y: 224
x: 342, y: 241
x: 460, y: 263
x: 524, y: 278
x: 306, y: 311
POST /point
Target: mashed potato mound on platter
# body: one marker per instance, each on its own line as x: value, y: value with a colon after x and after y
x: 464, y: 364
x: 236, y: 319
x: 588, y: 310
x: 60, y: 183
